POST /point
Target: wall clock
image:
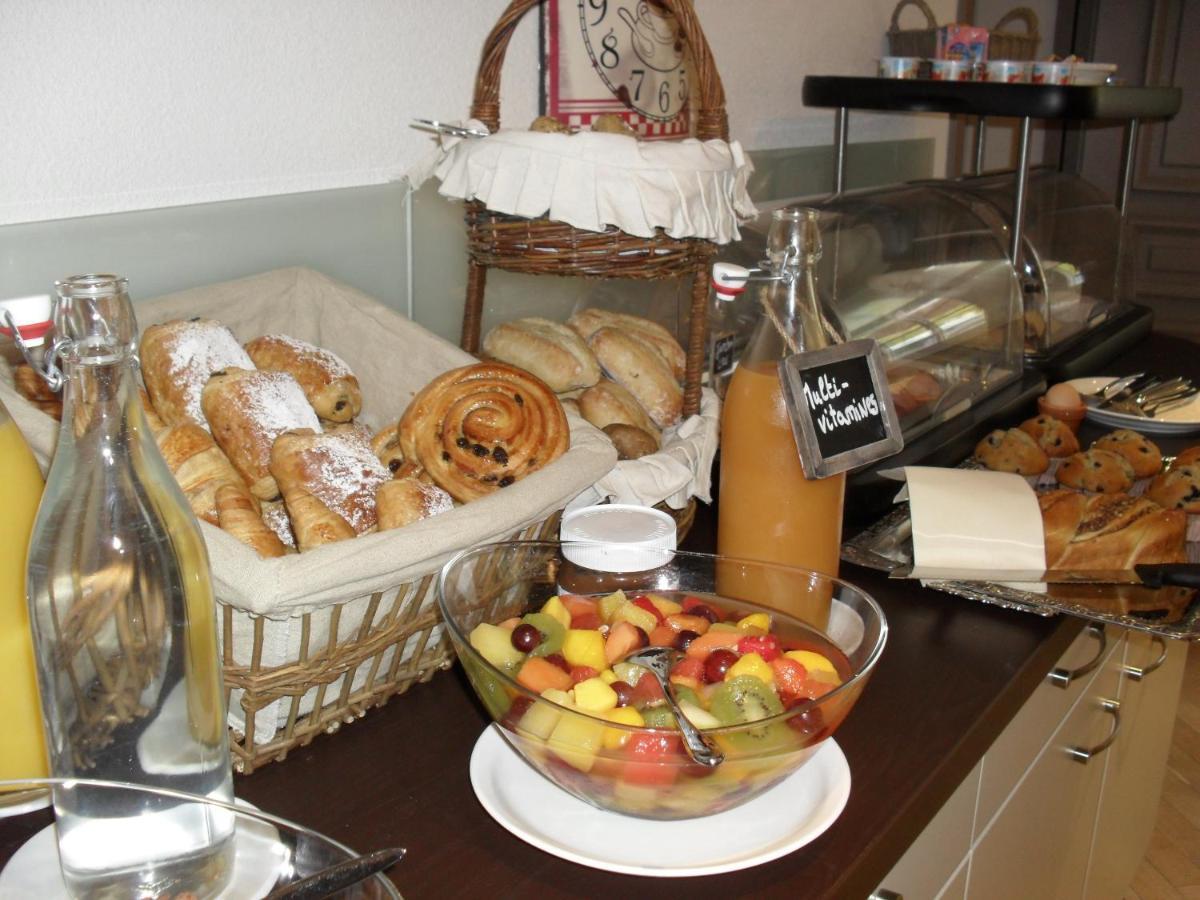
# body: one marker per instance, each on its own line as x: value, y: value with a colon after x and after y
x: 622, y: 56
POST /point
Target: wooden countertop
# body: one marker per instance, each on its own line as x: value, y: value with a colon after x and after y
x: 953, y: 674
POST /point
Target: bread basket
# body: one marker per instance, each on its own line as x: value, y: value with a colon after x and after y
x: 312, y: 641
x: 918, y: 42
x: 543, y: 246
x: 1014, y: 44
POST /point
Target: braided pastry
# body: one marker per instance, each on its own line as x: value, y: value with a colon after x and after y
x: 482, y: 427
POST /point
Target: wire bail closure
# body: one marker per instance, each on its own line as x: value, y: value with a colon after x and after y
x: 47, y: 369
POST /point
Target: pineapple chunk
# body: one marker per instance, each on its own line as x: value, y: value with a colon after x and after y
x: 575, y: 740
x: 756, y: 623
x: 609, y: 676
x: 813, y: 662
x: 594, y: 696
x: 752, y: 664
x: 495, y: 645
x: 555, y: 609
x: 584, y: 647
x: 622, y: 715
x: 610, y: 604
x: 665, y: 606
x: 635, y: 615
x: 539, y: 720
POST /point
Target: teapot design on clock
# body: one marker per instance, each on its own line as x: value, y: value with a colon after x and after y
x: 637, y: 50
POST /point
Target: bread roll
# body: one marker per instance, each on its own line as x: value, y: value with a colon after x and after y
x: 1099, y: 531
x: 479, y: 428
x: 1096, y: 470
x: 639, y: 368
x: 631, y: 442
x: 403, y: 501
x: 199, y: 467
x: 548, y: 125
x: 1053, y: 435
x: 342, y: 473
x: 911, y: 388
x: 326, y: 380
x: 1012, y: 450
x: 551, y: 351
x: 607, y: 403
x: 588, y: 321
x: 247, y: 411
x: 1140, y: 452
x: 238, y: 514
x: 177, y: 359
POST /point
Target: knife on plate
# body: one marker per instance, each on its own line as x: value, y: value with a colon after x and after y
x: 1151, y: 575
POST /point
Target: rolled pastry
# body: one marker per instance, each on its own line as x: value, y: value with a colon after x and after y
x: 551, y: 351
x: 588, y: 321
x: 1114, y: 531
x: 177, y: 359
x: 481, y: 427
x: 342, y: 473
x: 200, y: 468
x: 238, y: 515
x: 247, y: 411
x: 274, y: 513
x: 324, y: 377
x: 403, y: 501
x: 639, y: 368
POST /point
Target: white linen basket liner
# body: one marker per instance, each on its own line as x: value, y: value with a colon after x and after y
x: 393, y: 358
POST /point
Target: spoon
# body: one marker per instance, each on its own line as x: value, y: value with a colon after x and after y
x: 338, y: 877
x: 658, y: 661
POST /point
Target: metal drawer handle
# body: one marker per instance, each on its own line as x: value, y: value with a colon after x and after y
x: 1083, y: 754
x: 885, y: 894
x: 1062, y: 678
x: 1137, y: 674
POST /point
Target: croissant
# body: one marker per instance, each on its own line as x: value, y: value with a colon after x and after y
x: 403, y: 501
x: 199, y: 466
x: 313, y: 522
x: 177, y: 358
x: 237, y: 514
x: 481, y: 427
x: 326, y: 380
x: 342, y: 474
x: 248, y: 410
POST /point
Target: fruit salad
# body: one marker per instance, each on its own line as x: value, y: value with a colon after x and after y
x: 767, y: 687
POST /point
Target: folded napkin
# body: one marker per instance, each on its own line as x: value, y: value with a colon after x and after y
x: 969, y: 522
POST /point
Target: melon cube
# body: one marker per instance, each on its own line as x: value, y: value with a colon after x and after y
x: 592, y: 695
x: 495, y: 645
x: 555, y: 609
x: 575, y: 739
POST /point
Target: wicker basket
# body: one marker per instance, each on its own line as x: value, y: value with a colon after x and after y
x: 1011, y: 44
x: 547, y: 247
x: 918, y: 42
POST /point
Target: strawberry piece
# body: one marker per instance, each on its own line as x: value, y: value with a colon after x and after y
x: 644, y: 603
x: 652, y: 758
x: 690, y: 602
x: 689, y: 668
x: 766, y: 646
x: 582, y: 673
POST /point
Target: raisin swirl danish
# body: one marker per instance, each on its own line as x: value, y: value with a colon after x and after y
x: 481, y: 427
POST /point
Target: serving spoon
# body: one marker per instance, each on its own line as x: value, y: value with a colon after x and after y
x: 658, y: 660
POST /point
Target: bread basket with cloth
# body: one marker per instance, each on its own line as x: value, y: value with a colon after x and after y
x: 311, y: 641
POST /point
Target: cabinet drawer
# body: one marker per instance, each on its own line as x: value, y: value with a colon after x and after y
x: 1019, y: 744
x: 933, y: 857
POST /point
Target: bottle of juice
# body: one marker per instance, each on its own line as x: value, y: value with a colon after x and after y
x: 22, y: 746
x: 768, y: 509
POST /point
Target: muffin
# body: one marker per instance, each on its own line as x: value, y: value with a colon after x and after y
x: 1054, y: 436
x: 1141, y: 453
x: 1012, y: 450
x: 1095, y: 470
x: 1177, y: 488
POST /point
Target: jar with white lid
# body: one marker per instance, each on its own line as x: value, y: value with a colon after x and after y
x: 613, y: 547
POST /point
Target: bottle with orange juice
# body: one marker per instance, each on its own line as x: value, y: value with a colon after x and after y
x: 22, y: 745
x: 769, y: 509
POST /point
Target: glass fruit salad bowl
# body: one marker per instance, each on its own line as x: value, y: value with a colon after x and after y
x: 547, y: 659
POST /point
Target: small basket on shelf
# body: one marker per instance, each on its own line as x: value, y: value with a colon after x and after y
x: 918, y: 42
x: 1014, y: 44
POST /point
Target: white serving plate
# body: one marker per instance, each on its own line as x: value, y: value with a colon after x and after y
x: 1181, y: 420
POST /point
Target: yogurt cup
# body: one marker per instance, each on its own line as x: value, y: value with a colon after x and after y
x: 899, y: 66
x: 1004, y: 71
x: 950, y: 70
x: 1051, y: 73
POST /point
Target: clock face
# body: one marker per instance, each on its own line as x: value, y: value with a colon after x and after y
x: 636, y: 48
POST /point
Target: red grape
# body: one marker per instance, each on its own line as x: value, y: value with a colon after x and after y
x: 717, y: 664
x: 624, y: 692
x: 684, y: 638
x: 525, y: 637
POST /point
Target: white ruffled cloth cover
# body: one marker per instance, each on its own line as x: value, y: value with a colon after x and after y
x: 689, y: 188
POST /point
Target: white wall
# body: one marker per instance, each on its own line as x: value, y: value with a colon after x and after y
x: 116, y: 105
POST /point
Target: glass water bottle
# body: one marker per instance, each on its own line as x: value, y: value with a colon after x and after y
x: 124, y: 629
x: 768, y: 509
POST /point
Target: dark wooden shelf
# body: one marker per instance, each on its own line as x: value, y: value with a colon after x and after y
x: 1035, y: 101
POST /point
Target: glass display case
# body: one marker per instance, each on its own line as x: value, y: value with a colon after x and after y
x: 925, y: 272
x: 1072, y: 271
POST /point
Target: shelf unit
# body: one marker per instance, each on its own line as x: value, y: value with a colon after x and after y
x: 1116, y: 103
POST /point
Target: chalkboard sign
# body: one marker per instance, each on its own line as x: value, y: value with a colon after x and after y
x: 840, y: 407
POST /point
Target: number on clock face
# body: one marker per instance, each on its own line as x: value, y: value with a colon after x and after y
x: 636, y: 47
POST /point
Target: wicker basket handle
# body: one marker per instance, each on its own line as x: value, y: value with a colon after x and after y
x: 930, y: 18
x: 711, y: 120
x: 1020, y: 14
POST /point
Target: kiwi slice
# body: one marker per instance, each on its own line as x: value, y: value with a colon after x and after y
x: 659, y: 717
x: 683, y: 694
x: 552, y: 633
x: 743, y: 699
